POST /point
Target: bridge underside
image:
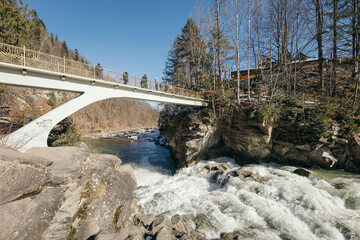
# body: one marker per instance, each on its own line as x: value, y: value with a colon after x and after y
x: 35, y: 133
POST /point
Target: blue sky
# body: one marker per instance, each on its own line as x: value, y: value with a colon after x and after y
x: 134, y: 35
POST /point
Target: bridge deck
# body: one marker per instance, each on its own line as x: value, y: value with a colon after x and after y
x: 37, y: 60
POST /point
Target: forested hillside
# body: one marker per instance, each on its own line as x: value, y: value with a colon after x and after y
x: 21, y: 26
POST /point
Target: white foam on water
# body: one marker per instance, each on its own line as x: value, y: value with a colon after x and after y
x: 282, y: 204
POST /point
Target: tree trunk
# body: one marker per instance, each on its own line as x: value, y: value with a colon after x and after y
x: 259, y: 47
x: 319, y: 39
x: 356, y: 47
x: 249, y: 25
x: 214, y: 80
x: 237, y: 52
x: 335, y: 39
x: 219, y: 45
x: 270, y: 58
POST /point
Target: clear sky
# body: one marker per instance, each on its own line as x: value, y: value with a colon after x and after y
x: 135, y: 35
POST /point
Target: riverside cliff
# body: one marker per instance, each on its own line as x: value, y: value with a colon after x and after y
x: 194, y: 135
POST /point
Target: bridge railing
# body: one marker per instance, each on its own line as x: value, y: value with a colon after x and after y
x: 29, y: 58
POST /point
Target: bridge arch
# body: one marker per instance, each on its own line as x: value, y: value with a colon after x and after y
x: 35, y: 133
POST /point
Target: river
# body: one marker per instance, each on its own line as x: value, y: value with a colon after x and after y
x: 283, y: 205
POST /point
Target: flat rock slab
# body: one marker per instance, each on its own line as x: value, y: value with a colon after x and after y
x: 65, y: 162
x: 19, y: 180
x: 28, y: 218
x: 11, y: 155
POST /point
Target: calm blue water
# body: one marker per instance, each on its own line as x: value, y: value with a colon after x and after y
x: 136, y: 153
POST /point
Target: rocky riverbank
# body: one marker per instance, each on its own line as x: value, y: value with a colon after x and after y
x: 120, y: 133
x: 198, y: 136
x: 71, y: 193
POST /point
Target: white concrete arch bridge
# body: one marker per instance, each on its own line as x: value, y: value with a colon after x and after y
x: 26, y: 68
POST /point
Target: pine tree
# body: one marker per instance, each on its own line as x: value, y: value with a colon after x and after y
x: 64, y: 50
x: 173, y: 63
x: 15, y: 24
x: 76, y: 57
x: 36, y: 33
x: 187, y: 58
x: 52, y: 38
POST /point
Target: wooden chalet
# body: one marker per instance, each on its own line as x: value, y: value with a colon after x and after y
x: 300, y: 59
x: 254, y: 73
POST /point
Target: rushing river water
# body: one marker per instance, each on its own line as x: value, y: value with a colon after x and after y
x: 283, y: 205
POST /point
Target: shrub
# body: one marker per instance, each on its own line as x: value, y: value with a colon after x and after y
x: 52, y: 100
x: 65, y: 134
x: 318, y: 127
x: 349, y: 117
x: 263, y: 112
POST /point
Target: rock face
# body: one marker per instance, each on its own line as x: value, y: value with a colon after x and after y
x: 190, y: 139
x: 249, y: 140
x: 68, y: 193
x: 197, y: 137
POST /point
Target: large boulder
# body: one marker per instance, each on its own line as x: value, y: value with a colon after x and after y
x: 29, y: 217
x: 20, y: 180
x: 304, y: 172
x: 322, y: 156
x: 306, y: 155
x: 8, y: 154
x: 131, y: 232
x: 287, y: 152
x: 69, y: 193
x: 105, y: 202
x: 340, y: 149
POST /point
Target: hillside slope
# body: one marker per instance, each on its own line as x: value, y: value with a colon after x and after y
x: 119, y: 113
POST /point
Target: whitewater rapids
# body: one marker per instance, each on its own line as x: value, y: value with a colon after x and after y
x: 283, y: 205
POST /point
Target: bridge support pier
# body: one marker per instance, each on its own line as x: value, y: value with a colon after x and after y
x: 35, y: 133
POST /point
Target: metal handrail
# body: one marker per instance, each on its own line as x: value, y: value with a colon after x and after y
x: 30, y: 58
